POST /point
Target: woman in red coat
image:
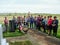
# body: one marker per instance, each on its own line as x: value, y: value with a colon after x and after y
x: 50, y: 24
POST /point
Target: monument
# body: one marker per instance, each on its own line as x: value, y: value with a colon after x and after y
x: 2, y: 40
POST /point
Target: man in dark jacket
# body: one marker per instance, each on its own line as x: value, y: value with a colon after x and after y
x: 55, y: 26
x: 14, y: 22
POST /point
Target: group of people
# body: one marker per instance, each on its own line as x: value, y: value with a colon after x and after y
x: 45, y: 23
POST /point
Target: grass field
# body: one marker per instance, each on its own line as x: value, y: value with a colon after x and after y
x: 21, y: 43
x: 12, y: 34
x: 10, y: 16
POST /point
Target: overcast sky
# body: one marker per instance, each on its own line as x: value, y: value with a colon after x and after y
x: 34, y: 6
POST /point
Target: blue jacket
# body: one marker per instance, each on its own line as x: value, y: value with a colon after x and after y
x: 31, y: 19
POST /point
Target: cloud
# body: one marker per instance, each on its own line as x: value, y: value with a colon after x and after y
x: 40, y: 6
x: 30, y: 2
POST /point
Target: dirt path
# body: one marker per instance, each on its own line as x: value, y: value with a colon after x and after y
x: 37, y: 38
x: 44, y: 39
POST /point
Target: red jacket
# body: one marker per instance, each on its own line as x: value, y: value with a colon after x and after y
x: 50, y: 22
x: 5, y: 21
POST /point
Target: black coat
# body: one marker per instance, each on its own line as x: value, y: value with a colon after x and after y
x: 56, y: 23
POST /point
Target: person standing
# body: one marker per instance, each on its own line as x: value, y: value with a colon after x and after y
x: 28, y: 21
x: 42, y: 17
x: 39, y: 22
x: 44, y: 23
x: 6, y: 23
x: 55, y: 26
x: 50, y: 25
x: 14, y: 22
x: 35, y: 23
x: 25, y: 21
x: 47, y: 25
x: 31, y: 21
